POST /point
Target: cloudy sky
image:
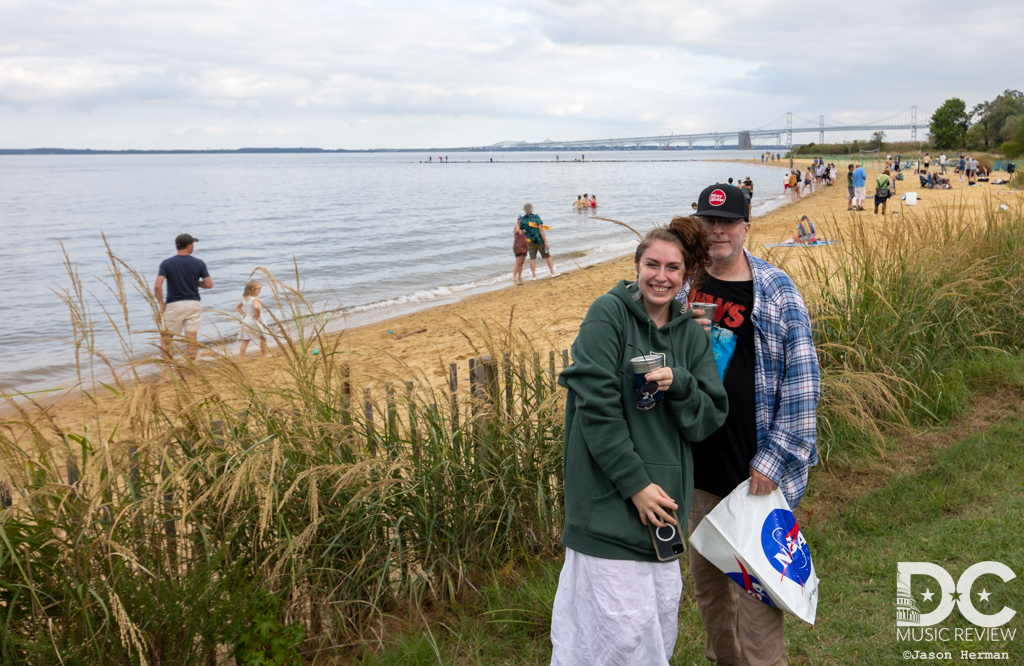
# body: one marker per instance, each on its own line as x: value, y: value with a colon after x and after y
x: 147, y: 74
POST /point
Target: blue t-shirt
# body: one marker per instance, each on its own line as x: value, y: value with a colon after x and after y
x: 183, y: 273
x: 860, y: 177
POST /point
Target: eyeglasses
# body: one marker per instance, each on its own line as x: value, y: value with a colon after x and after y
x: 726, y: 222
x: 646, y: 392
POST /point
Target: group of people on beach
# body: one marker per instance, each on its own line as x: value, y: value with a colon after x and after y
x: 184, y: 275
x: 817, y: 175
x: 724, y: 402
x: 770, y: 157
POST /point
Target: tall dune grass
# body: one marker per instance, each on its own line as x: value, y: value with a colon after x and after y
x: 315, y: 510
x: 155, y: 543
x: 899, y: 309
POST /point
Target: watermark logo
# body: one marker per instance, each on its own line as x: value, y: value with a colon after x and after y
x: 950, y: 594
x: 716, y: 198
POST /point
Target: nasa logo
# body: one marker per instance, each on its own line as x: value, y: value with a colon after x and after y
x: 785, y: 547
x: 751, y: 584
x: 716, y: 198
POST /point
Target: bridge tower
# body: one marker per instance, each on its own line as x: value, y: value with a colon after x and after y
x: 789, y: 129
x: 743, y: 141
x: 913, y: 123
x: 821, y: 132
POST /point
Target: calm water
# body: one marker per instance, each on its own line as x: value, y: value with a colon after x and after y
x: 385, y: 232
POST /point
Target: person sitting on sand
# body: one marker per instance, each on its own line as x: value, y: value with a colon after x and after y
x: 250, y: 310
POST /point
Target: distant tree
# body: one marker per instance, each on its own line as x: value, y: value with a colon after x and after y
x: 878, y: 137
x: 949, y: 124
x: 991, y: 116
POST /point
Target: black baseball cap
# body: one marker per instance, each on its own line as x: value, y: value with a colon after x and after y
x: 721, y: 200
x: 184, y: 240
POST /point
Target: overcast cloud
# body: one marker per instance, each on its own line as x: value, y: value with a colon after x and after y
x: 149, y: 74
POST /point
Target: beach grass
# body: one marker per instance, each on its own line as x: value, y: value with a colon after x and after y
x: 333, y: 519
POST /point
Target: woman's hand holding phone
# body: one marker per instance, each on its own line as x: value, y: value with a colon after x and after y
x: 654, y: 505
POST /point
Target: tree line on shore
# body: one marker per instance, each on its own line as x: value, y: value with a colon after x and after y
x: 996, y: 125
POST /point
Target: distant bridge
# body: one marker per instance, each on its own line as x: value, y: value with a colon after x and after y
x: 780, y: 129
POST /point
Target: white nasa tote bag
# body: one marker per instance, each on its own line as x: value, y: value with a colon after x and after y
x: 756, y: 541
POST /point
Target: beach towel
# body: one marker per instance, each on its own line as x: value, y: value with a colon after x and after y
x: 792, y: 243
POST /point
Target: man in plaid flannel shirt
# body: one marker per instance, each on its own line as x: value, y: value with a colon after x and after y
x: 767, y: 361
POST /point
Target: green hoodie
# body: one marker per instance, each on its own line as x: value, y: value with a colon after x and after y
x: 612, y: 449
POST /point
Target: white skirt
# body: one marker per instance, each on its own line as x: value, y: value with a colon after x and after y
x: 252, y: 329
x: 615, y: 612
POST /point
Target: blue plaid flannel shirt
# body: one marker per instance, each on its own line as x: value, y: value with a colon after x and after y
x: 786, y: 380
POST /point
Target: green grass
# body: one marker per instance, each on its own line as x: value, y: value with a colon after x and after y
x: 966, y: 506
x: 299, y: 522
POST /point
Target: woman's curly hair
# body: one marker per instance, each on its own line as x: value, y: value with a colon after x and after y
x: 687, y: 233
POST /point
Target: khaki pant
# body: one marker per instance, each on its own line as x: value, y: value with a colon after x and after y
x: 741, y: 631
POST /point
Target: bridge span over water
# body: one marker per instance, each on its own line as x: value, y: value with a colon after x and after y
x: 780, y: 129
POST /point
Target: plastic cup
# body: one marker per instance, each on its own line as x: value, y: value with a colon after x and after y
x: 709, y: 311
x: 644, y: 364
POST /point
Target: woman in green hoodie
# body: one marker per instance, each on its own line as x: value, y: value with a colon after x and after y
x: 626, y: 467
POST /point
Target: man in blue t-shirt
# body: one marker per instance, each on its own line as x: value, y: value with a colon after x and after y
x: 860, y: 177
x: 184, y: 275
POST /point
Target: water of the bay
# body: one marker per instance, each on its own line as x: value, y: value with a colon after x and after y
x: 385, y: 233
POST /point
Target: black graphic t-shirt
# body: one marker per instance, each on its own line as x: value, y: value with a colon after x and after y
x: 722, y: 461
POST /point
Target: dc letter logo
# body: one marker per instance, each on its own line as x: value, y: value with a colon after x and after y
x: 716, y: 198
x: 785, y: 547
x: 908, y: 614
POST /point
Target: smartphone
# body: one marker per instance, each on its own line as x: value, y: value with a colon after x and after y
x: 668, y: 542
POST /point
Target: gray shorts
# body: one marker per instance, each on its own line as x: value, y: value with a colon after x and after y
x: 534, y: 248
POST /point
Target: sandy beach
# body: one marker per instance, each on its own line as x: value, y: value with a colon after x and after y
x: 548, y: 311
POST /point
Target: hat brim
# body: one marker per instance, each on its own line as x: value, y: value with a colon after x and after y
x: 715, y: 212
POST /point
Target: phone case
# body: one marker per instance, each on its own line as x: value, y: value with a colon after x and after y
x: 668, y: 540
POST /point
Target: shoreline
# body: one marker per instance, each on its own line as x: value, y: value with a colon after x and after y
x: 352, y: 317
x: 545, y: 311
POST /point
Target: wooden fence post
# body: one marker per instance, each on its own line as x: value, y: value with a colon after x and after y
x: 537, y: 380
x: 453, y: 387
x: 551, y: 367
x: 392, y: 415
x: 565, y: 359
x: 371, y: 440
x: 5, y: 495
x: 522, y: 383
x: 473, y: 386
x: 218, y: 432
x: 413, y: 435
x: 508, y: 385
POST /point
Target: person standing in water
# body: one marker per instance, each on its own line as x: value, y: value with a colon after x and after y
x: 536, y: 240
